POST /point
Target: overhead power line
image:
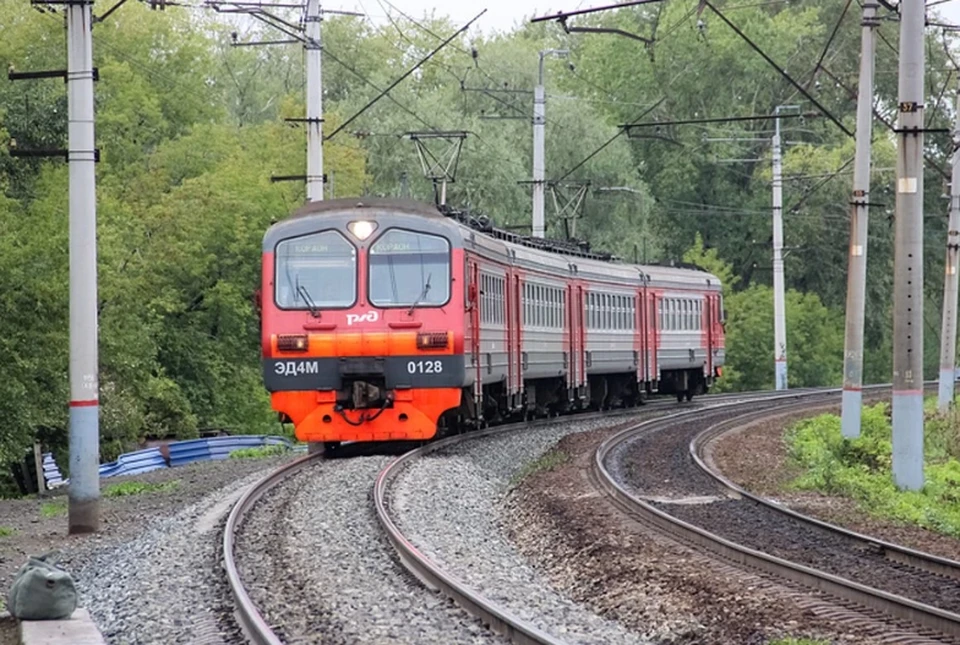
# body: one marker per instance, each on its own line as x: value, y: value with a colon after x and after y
x: 405, y: 75
x: 779, y: 69
x: 611, y: 140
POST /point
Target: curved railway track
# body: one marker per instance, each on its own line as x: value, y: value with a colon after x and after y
x: 912, y: 587
x: 500, y: 620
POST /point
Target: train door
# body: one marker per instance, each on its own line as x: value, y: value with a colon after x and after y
x: 710, y: 304
x: 581, y: 335
x: 474, y: 303
x: 514, y: 339
x: 518, y: 345
x: 640, y: 320
x: 570, y: 359
x: 654, y: 335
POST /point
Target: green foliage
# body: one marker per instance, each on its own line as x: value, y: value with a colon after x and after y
x: 814, y: 332
x: 191, y: 129
x: 126, y: 489
x: 6, y: 531
x: 260, y: 453
x: 55, y: 508
x: 861, y: 468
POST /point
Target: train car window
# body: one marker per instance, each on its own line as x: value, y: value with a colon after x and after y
x: 408, y: 268
x: 316, y: 271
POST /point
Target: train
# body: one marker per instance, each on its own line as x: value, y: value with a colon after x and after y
x: 393, y: 320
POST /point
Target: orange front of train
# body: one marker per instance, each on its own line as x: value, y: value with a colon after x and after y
x: 362, y: 319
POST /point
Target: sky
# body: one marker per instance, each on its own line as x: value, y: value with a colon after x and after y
x: 502, y: 15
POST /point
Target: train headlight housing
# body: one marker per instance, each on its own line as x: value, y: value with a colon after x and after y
x: 362, y: 229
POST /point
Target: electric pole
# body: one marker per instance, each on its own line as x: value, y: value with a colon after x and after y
x: 779, y: 315
x: 84, y: 423
x: 860, y: 206
x: 948, y: 334
x: 314, y: 102
x: 908, y: 256
x: 539, y: 121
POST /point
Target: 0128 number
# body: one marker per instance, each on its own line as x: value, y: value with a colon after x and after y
x: 425, y: 367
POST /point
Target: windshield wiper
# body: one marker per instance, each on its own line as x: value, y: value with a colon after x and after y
x: 303, y: 293
x: 423, y: 294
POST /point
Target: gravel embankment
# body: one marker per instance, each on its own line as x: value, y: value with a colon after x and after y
x: 153, y: 573
x: 626, y: 571
x: 314, y: 559
x: 449, y: 505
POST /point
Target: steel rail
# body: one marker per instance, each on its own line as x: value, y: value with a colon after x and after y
x: 435, y: 577
x: 921, y: 614
x: 430, y: 573
x: 259, y: 632
x: 251, y: 620
x: 915, y: 558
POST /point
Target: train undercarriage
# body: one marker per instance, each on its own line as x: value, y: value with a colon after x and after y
x: 541, y: 398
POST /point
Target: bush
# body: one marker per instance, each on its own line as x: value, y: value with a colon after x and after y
x: 259, y: 453
x: 861, y: 468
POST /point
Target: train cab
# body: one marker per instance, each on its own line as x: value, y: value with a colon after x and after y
x: 362, y: 301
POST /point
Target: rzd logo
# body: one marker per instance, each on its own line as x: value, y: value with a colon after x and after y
x: 370, y: 316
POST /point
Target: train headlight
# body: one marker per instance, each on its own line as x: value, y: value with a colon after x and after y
x: 362, y: 229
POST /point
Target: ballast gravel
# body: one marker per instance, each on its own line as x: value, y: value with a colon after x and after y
x: 314, y: 559
x: 457, y: 524
x: 166, y: 585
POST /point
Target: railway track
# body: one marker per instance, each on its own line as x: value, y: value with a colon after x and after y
x: 429, y: 572
x: 913, y: 588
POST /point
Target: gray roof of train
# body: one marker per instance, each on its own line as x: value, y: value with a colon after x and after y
x: 340, y: 210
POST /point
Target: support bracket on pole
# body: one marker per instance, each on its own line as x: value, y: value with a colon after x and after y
x: 569, y: 200
x: 439, y: 167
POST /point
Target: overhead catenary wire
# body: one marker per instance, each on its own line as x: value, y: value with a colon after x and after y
x: 405, y: 75
x: 826, y: 47
x: 779, y: 69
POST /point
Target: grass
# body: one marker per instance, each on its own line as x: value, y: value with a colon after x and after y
x: 545, y: 462
x: 860, y: 468
x: 6, y: 531
x: 138, y: 488
x: 260, y: 453
x: 53, y: 509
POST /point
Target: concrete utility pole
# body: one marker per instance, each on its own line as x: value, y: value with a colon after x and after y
x: 948, y: 334
x: 860, y: 206
x: 84, y: 424
x: 908, y: 256
x: 779, y: 315
x: 314, y: 102
x: 539, y: 121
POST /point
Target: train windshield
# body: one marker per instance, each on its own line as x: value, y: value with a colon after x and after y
x: 408, y: 268
x: 316, y: 271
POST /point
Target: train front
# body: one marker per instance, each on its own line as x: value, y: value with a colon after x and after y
x: 362, y: 301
